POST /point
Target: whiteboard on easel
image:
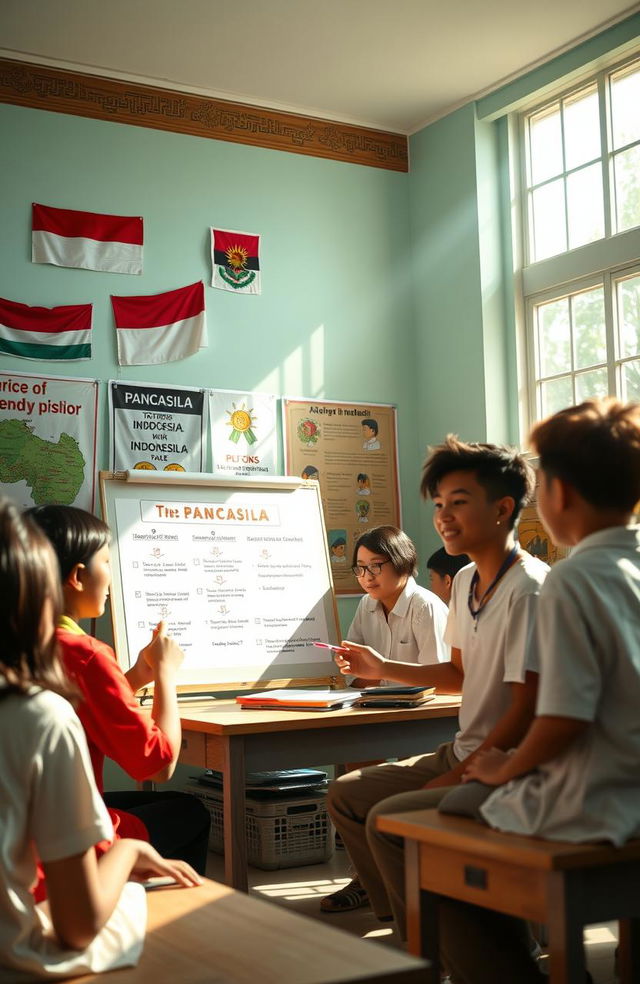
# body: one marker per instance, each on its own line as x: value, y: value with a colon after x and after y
x: 238, y: 570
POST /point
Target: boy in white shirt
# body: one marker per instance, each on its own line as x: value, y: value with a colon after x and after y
x: 478, y: 491
x: 576, y: 774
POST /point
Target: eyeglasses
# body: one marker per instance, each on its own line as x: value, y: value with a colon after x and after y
x: 374, y: 569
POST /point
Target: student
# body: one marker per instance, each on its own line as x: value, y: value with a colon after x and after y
x: 398, y: 619
x: 442, y: 568
x: 576, y: 775
x: 146, y: 747
x: 51, y: 809
x: 478, y: 491
x: 364, y: 484
x: 337, y: 550
x: 370, y: 435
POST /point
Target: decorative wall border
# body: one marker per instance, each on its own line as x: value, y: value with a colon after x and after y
x: 41, y: 87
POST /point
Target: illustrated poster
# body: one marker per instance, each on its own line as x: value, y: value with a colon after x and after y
x: 48, y: 439
x: 243, y: 433
x: 156, y: 428
x: 350, y: 449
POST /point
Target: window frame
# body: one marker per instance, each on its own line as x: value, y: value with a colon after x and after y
x: 602, y: 262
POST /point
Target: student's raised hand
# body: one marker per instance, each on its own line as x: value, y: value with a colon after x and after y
x: 487, y: 766
x: 363, y: 661
x: 163, y: 652
x: 149, y: 864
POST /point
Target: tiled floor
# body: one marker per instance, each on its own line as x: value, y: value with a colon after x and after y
x: 301, y: 888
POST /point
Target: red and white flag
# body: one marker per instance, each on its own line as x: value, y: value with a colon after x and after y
x: 160, y: 327
x: 57, y: 334
x: 65, y: 237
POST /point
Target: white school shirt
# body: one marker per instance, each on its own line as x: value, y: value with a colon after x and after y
x: 497, y: 650
x: 50, y: 807
x: 414, y: 632
x: 589, y: 631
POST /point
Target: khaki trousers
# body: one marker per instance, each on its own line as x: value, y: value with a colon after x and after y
x: 354, y: 802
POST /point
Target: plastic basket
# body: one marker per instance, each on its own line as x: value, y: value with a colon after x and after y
x: 281, y: 833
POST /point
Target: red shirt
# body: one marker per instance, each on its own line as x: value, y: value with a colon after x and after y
x: 113, y: 721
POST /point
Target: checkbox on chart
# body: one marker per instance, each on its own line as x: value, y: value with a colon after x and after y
x: 138, y: 594
x: 198, y: 590
x: 141, y: 625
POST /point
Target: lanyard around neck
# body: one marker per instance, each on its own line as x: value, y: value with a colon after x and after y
x: 476, y: 612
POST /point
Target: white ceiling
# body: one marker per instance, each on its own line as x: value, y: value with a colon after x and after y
x: 391, y: 64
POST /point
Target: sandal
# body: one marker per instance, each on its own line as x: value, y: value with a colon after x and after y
x: 352, y: 896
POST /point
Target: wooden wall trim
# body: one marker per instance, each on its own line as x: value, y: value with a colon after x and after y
x: 41, y: 87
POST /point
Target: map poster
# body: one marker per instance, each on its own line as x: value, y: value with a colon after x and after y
x: 243, y: 433
x: 351, y: 450
x: 48, y: 439
x: 156, y: 428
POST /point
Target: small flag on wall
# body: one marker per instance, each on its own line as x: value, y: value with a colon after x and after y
x: 65, y: 237
x: 60, y: 333
x: 160, y: 327
x: 235, y: 257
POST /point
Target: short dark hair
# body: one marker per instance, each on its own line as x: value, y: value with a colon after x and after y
x: 500, y: 470
x: 371, y: 424
x: 76, y: 535
x: 443, y: 563
x: 596, y: 448
x: 338, y: 542
x: 362, y: 477
x: 308, y: 471
x: 27, y: 583
x: 392, y: 543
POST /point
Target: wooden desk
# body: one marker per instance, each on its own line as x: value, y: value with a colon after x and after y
x: 214, y: 935
x: 565, y: 886
x: 220, y: 735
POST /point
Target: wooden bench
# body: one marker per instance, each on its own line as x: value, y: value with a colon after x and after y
x: 565, y: 886
x: 216, y: 935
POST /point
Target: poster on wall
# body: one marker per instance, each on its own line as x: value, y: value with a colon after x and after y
x: 156, y: 428
x: 244, y: 437
x: 531, y: 533
x: 48, y: 439
x: 351, y: 450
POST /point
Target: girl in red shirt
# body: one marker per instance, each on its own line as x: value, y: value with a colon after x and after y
x: 145, y: 747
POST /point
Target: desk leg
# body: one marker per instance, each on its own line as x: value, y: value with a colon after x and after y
x: 235, y: 832
x: 566, y: 949
x: 629, y: 951
x: 422, y: 914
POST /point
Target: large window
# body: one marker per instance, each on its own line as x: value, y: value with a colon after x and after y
x: 580, y: 177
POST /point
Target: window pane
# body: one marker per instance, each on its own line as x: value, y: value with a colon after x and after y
x: 625, y: 100
x: 545, y: 141
x: 556, y: 394
x: 585, y: 206
x: 581, y: 128
x: 554, y: 337
x: 626, y: 168
x: 549, y: 232
x: 631, y: 381
x: 589, y: 333
x: 629, y: 316
x: 594, y: 383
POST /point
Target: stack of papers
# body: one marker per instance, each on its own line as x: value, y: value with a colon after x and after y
x: 393, y: 696
x: 298, y: 700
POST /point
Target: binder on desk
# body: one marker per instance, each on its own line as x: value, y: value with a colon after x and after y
x: 395, y: 696
x: 298, y: 700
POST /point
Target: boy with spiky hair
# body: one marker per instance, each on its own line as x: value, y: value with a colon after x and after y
x: 478, y: 491
x: 576, y: 774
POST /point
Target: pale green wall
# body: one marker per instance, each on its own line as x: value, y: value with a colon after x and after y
x: 334, y: 320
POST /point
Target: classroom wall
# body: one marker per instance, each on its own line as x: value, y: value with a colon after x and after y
x: 334, y: 320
